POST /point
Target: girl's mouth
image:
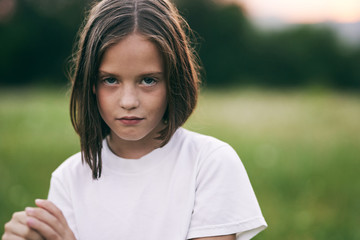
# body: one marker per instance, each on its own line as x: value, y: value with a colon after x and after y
x: 130, y: 120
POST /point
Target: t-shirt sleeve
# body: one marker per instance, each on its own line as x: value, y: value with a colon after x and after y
x: 225, y: 202
x: 59, y: 195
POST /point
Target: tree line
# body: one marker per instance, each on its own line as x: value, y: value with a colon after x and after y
x: 36, y: 42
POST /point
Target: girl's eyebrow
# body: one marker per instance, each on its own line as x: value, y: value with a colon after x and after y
x: 157, y: 74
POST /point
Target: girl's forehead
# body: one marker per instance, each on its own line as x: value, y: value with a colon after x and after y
x: 133, y: 54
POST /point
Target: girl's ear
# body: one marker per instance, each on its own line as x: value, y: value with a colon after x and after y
x: 94, y: 89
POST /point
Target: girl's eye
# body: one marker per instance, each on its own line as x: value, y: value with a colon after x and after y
x: 148, y: 81
x: 110, y: 81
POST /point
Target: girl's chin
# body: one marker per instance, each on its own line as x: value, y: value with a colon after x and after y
x: 136, y: 135
x: 131, y: 137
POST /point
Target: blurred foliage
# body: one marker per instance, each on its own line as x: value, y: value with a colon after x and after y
x: 234, y: 52
x: 37, y: 39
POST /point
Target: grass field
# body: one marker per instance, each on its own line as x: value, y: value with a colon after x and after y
x: 301, y: 150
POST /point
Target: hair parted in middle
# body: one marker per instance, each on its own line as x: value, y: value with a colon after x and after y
x: 108, y: 22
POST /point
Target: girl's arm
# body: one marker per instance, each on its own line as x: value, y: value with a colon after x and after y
x: 44, y: 222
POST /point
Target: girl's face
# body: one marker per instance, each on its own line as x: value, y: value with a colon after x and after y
x: 131, y: 90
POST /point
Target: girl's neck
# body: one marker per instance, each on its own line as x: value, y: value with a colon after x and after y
x: 132, y: 149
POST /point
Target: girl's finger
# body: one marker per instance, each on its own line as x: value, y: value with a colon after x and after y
x: 19, y: 217
x: 52, y: 209
x: 17, y: 228
x: 8, y: 236
x: 42, y: 228
x: 55, y: 226
x: 45, y: 217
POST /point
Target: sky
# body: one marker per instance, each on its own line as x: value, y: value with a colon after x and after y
x: 304, y: 11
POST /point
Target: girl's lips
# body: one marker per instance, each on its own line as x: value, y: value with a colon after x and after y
x: 130, y: 120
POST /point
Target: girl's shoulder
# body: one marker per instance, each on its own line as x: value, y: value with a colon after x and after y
x: 197, y: 138
x: 72, y: 166
x: 200, y: 144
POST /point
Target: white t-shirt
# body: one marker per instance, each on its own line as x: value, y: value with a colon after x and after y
x: 194, y: 186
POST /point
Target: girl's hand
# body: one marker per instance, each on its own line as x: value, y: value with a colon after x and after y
x: 48, y: 221
x: 17, y: 229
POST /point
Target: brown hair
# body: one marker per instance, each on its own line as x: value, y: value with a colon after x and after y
x: 108, y: 22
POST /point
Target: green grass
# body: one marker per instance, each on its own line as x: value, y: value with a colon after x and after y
x: 301, y: 150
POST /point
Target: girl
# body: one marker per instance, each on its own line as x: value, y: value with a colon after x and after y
x: 140, y: 175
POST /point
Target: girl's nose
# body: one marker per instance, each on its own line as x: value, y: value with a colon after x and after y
x: 129, y: 98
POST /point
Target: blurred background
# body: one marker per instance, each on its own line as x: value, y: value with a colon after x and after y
x: 281, y: 85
